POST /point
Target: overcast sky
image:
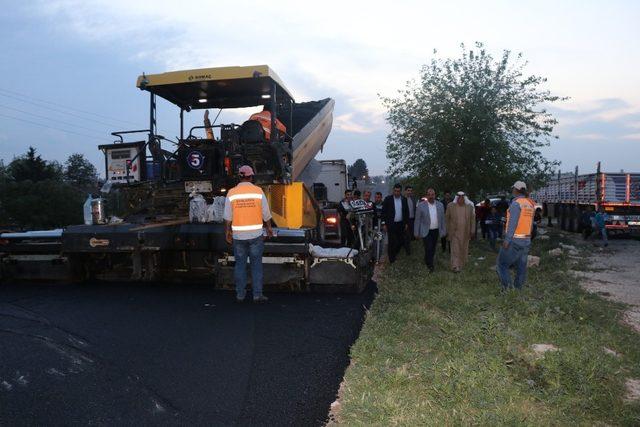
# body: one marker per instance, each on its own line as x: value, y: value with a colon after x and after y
x: 87, y: 55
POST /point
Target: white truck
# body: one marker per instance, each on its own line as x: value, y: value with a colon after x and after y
x: 333, y: 175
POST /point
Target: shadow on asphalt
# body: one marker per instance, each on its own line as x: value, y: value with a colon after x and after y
x: 171, y: 354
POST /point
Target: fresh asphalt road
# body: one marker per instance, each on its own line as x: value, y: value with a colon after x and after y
x: 128, y: 354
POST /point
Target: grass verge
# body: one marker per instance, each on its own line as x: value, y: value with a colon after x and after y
x: 451, y: 349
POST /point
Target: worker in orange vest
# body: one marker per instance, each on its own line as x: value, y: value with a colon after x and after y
x: 246, y: 211
x: 517, y: 238
x: 264, y: 117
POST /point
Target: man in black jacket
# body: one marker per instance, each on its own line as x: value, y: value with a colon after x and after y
x: 395, y: 211
x: 346, y: 234
x: 412, y: 202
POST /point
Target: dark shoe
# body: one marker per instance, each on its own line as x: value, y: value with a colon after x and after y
x: 260, y: 299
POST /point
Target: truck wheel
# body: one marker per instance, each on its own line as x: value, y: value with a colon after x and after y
x: 563, y: 217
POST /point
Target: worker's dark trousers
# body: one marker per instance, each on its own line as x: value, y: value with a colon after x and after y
x: 483, y: 228
x: 346, y: 234
x: 409, y: 236
x: 396, y: 239
x: 430, y: 242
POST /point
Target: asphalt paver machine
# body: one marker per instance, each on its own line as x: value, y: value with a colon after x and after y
x: 150, y: 236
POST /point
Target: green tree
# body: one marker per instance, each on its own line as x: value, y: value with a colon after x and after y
x: 41, y: 205
x: 33, y: 194
x: 4, y: 178
x: 80, y: 172
x: 359, y: 169
x: 471, y: 123
x: 31, y: 167
x: 4, y: 173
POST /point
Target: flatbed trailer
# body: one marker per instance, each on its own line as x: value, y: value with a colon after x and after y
x: 157, y: 242
x: 567, y: 195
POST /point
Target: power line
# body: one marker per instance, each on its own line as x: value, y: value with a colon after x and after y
x: 54, y: 128
x: 68, y: 108
x: 59, y: 111
x: 49, y: 118
x: 111, y: 125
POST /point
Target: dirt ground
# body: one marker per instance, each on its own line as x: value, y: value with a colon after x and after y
x: 614, y: 273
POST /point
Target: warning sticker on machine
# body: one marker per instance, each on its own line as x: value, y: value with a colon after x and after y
x: 98, y: 242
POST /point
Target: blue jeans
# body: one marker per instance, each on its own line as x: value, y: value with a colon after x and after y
x: 603, y: 233
x: 252, y: 249
x: 514, y: 256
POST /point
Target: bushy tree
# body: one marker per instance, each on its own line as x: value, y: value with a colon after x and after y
x: 4, y: 173
x: 359, y: 169
x: 80, y: 173
x: 33, y: 194
x: 41, y: 205
x: 471, y: 123
x: 31, y: 167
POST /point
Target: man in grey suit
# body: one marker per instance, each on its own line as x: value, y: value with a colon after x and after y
x: 429, y: 225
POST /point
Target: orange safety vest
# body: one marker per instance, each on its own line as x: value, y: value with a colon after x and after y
x: 525, y: 222
x: 246, y: 207
x: 264, y: 117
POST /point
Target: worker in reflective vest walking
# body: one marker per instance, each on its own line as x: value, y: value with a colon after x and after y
x: 517, y: 238
x: 246, y: 211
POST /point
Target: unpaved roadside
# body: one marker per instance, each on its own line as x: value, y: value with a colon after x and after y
x: 614, y: 273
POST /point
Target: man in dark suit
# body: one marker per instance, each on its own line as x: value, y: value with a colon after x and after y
x: 395, y: 211
x: 412, y: 203
x: 344, y: 207
x: 429, y: 225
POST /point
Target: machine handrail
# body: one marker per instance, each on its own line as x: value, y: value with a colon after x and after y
x: 191, y: 136
x: 123, y: 132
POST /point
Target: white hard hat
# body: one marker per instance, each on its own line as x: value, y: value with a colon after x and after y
x: 519, y: 185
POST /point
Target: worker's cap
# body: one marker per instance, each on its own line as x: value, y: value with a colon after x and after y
x: 460, y: 193
x: 245, y: 171
x: 519, y: 185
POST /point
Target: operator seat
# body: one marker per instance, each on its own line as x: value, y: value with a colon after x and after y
x: 251, y: 132
x: 262, y: 156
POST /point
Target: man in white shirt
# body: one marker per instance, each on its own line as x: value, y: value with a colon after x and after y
x: 429, y: 225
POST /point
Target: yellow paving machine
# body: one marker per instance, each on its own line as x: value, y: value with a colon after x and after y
x: 143, y: 227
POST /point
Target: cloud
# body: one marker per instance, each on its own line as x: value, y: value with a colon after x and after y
x: 345, y: 122
x: 600, y: 130
x: 591, y: 136
x: 599, y: 119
